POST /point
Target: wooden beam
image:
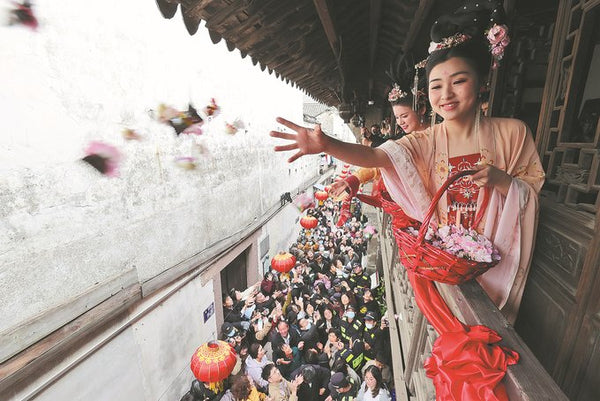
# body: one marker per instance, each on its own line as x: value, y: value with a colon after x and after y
x: 417, y: 23
x: 327, y: 22
x: 34, y: 361
x: 374, y: 19
x: 16, y: 339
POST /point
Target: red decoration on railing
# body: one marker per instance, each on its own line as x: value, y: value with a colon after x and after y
x: 466, y: 362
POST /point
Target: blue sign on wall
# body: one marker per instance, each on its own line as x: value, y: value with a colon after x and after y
x: 208, y: 312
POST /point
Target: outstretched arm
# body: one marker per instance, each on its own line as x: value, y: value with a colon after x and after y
x: 311, y: 141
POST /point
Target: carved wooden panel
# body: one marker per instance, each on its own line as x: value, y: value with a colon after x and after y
x: 572, y: 133
x: 560, y: 256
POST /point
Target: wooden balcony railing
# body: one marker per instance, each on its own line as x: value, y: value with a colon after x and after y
x: 412, y: 337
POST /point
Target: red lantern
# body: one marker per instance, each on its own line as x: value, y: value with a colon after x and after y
x: 283, y: 262
x: 327, y: 188
x: 309, y: 222
x: 344, y: 171
x: 213, y: 362
x: 321, y: 195
x: 346, y: 166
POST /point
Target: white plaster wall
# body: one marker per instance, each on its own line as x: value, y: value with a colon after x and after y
x: 93, y: 68
x: 149, y: 360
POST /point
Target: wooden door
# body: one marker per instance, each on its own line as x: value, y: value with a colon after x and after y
x: 234, y: 275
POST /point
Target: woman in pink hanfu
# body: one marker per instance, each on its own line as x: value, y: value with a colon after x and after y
x: 501, y: 149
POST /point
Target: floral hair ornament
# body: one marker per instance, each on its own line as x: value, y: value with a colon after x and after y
x: 448, y: 42
x: 396, y: 94
x: 498, y: 38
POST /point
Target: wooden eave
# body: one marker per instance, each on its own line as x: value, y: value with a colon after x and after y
x: 336, y: 51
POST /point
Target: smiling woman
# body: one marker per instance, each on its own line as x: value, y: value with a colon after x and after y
x: 501, y: 150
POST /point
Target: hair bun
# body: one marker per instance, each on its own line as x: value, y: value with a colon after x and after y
x: 472, y: 18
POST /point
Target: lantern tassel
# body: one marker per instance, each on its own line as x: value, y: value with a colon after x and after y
x: 216, y: 387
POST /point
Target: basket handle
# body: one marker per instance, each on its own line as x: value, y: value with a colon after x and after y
x: 436, y: 199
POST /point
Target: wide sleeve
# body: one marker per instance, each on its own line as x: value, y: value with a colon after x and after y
x: 511, y: 221
x: 403, y: 181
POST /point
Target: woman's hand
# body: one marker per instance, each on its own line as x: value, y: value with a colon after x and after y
x: 307, y: 141
x: 339, y: 190
x: 492, y: 177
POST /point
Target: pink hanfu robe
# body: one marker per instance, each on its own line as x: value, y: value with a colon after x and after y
x: 420, y: 163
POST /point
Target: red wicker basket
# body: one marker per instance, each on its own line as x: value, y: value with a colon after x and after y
x: 433, y: 263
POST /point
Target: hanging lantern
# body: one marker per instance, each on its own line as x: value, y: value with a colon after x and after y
x: 308, y: 222
x: 346, y: 166
x: 321, y: 196
x: 212, y: 363
x: 327, y: 188
x: 283, y: 262
x: 344, y: 171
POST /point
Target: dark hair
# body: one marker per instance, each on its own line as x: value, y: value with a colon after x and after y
x: 311, y: 356
x: 474, y: 51
x: 339, y: 365
x: 376, y: 372
x: 472, y: 19
x: 253, y: 350
x: 266, y: 372
x: 404, y: 100
x: 241, y: 387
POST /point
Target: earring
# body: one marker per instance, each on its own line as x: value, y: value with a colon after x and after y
x: 477, y: 120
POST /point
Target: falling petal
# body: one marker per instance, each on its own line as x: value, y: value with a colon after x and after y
x: 194, y: 129
x: 166, y: 113
x: 186, y: 162
x: 22, y: 13
x: 230, y: 129
x: 131, y: 135
x: 103, y: 157
x: 212, y: 109
x: 304, y: 201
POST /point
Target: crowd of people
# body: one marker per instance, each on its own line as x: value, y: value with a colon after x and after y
x: 318, y: 332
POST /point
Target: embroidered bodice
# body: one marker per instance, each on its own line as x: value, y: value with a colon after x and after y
x: 462, y: 194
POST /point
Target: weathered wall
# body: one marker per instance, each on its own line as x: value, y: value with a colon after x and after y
x: 145, y: 356
x: 92, y: 69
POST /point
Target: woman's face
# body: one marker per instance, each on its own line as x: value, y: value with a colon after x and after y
x: 309, y: 310
x: 406, y: 118
x: 453, y: 89
x: 370, y: 380
x: 327, y: 313
x: 345, y: 300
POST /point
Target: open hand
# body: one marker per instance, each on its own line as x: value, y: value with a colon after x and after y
x: 339, y: 190
x: 307, y: 141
